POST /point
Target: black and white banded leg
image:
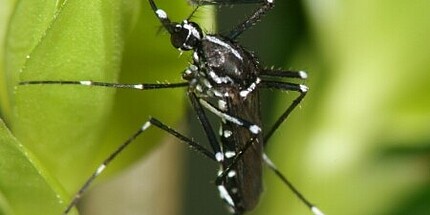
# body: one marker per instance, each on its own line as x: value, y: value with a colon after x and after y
x: 225, y: 2
x: 141, y: 86
x: 315, y: 210
x: 284, y: 86
x: 254, y: 129
x: 250, y: 21
x: 151, y: 122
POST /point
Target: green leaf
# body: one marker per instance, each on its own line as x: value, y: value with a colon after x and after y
x: 25, y: 186
x: 83, y: 40
x: 71, y: 129
x: 6, y: 8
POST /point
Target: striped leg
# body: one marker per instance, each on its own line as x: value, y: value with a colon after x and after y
x: 251, y: 20
x: 285, y: 86
x: 254, y: 129
x: 152, y: 121
x: 140, y: 86
x: 312, y: 207
x: 225, y: 2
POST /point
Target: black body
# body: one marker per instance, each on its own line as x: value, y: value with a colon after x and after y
x: 223, y: 59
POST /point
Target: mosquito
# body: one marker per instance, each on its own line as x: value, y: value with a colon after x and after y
x: 223, y: 79
x: 224, y: 2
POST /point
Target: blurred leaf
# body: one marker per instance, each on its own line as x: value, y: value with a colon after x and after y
x: 416, y: 203
x: 374, y: 57
x: 416, y: 150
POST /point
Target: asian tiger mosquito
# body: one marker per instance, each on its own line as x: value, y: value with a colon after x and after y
x: 225, y: 2
x: 223, y: 79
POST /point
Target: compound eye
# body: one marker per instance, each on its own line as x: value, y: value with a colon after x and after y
x: 177, y: 28
x: 179, y: 37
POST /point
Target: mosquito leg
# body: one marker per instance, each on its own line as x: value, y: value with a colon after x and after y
x: 152, y: 121
x: 218, y: 2
x: 253, y: 128
x: 284, y: 73
x: 272, y: 166
x: 141, y: 86
x: 251, y: 20
x: 284, y: 86
x: 236, y: 158
x: 207, y: 127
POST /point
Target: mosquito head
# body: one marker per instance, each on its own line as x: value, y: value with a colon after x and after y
x: 184, y: 36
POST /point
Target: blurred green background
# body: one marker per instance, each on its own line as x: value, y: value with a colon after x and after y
x: 358, y: 144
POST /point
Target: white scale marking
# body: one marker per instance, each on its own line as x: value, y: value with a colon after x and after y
x: 100, y: 169
x: 231, y: 174
x: 220, y: 114
x: 87, y: 83
x: 304, y: 88
x: 193, y: 31
x: 230, y: 154
x: 244, y: 93
x: 145, y: 126
x: 161, y: 14
x: 227, y: 133
x: 303, y: 75
x: 255, y: 129
x: 207, y: 83
x: 196, y: 56
x: 138, y: 86
x: 268, y: 161
x: 316, y: 211
x: 215, y: 77
x: 199, y: 88
x: 218, y: 93
x: 193, y: 68
x: 219, y: 157
x: 224, y: 195
x: 222, y: 105
x: 220, y: 42
x: 220, y: 80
